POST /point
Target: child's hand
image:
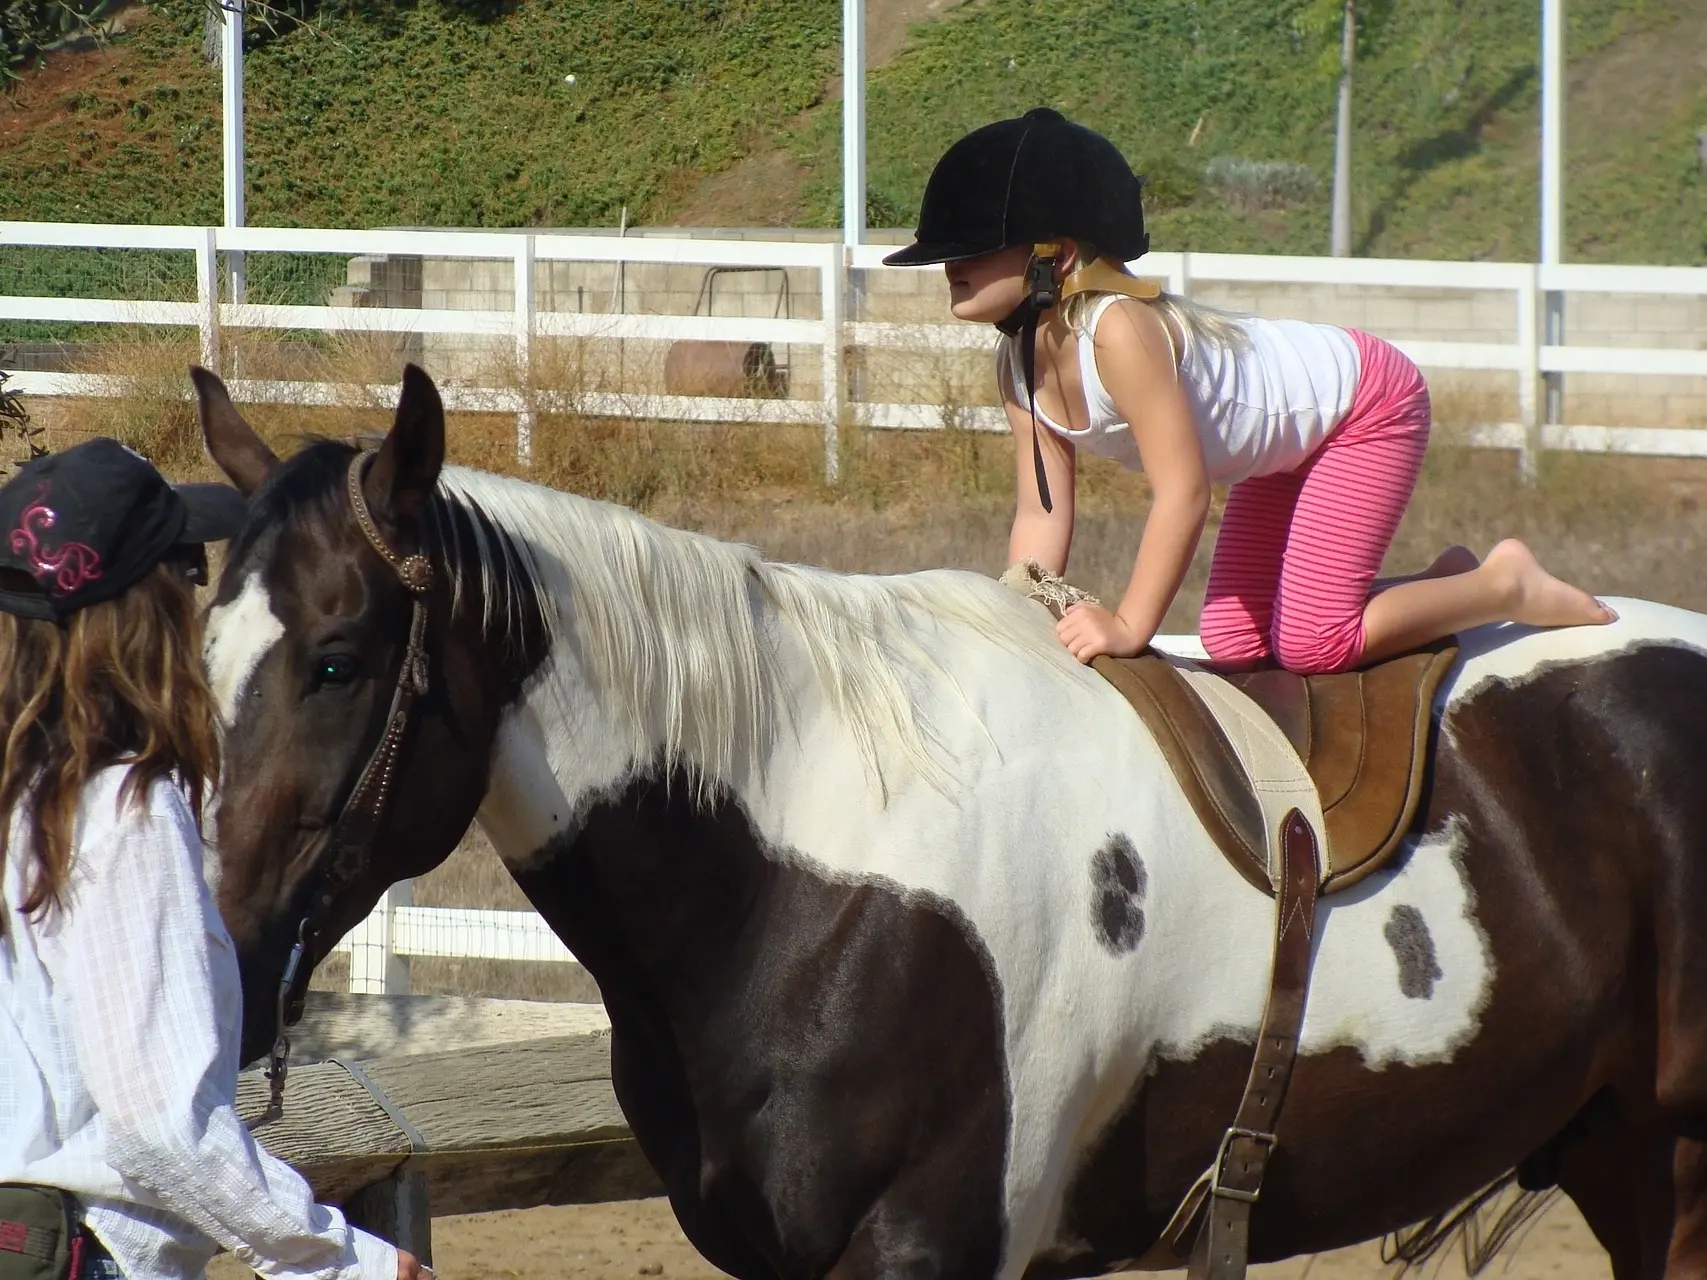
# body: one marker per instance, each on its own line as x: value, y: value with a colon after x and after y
x: 1089, y: 630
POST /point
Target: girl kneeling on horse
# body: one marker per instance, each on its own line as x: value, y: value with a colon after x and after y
x: 1319, y: 430
x: 121, y: 1151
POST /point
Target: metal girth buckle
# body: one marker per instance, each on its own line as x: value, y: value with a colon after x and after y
x: 1227, y: 1139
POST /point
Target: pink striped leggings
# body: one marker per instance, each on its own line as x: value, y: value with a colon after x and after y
x: 1299, y: 551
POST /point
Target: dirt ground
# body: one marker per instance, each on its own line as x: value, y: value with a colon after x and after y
x: 622, y: 1241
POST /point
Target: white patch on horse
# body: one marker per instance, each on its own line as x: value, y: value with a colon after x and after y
x: 524, y: 808
x: 1358, y: 996
x: 678, y: 636
x: 239, y: 635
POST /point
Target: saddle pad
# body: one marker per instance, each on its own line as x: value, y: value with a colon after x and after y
x: 1350, y: 751
x: 1273, y: 767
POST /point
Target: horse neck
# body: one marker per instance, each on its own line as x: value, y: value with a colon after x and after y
x: 571, y: 742
x: 675, y: 654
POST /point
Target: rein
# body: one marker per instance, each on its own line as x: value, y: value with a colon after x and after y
x: 350, y: 845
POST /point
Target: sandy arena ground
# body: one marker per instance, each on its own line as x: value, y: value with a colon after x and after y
x: 640, y: 1238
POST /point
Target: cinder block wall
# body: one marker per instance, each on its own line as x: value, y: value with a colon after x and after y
x: 966, y: 377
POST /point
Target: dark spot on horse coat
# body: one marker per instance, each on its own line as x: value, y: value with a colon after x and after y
x: 815, y: 1065
x: 1118, y: 882
x: 1413, y: 947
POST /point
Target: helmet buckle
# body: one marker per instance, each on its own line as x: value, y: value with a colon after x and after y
x: 1040, y: 286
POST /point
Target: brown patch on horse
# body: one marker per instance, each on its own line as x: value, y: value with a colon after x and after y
x: 1419, y: 969
x: 865, y: 1129
x: 1118, y: 883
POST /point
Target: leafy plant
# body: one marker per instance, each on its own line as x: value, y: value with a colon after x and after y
x: 1169, y: 183
x: 28, y: 26
x: 1249, y: 185
x: 15, y: 421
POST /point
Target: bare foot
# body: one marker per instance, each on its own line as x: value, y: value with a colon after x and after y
x: 1537, y: 597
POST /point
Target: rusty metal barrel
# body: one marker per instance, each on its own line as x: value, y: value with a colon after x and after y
x: 736, y: 369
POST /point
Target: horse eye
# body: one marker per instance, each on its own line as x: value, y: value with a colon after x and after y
x: 334, y: 669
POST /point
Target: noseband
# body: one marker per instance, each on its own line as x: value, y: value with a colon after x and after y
x: 350, y: 846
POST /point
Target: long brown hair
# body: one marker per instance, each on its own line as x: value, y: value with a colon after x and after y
x: 117, y: 683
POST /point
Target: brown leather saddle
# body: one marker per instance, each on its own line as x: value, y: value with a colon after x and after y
x: 1363, y: 737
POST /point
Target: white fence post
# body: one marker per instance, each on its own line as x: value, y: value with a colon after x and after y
x: 526, y: 417
x: 375, y: 967
x: 1179, y: 279
x: 1529, y: 373
x: 838, y: 261
x: 207, y: 297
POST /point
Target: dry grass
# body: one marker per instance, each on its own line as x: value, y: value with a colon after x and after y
x: 1624, y: 526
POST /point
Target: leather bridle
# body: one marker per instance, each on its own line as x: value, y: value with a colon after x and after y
x: 350, y: 846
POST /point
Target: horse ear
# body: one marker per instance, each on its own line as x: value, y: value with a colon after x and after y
x: 231, y: 442
x: 404, y: 472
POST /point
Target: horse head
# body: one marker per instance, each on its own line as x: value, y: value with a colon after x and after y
x: 339, y: 662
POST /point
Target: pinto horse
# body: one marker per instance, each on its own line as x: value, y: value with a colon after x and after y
x: 917, y: 960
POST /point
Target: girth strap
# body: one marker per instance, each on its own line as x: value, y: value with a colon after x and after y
x: 1232, y: 1184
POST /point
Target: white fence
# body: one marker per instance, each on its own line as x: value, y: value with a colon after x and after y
x: 1526, y: 358
x: 381, y: 946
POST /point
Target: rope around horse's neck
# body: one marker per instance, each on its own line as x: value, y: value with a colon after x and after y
x: 1034, y: 581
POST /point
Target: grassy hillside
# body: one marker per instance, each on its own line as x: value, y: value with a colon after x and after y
x: 457, y: 112
x: 445, y: 114
x: 1445, y: 106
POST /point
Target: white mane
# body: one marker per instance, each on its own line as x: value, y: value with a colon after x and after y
x: 671, y: 627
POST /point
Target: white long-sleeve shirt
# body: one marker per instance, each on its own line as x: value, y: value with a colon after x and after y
x: 119, y: 1020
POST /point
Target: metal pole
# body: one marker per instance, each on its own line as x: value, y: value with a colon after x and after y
x: 853, y: 122
x: 1552, y: 186
x: 231, y: 68
x: 853, y: 187
x: 528, y: 416
x: 1342, y: 137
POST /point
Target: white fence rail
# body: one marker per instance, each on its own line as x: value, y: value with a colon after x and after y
x: 1527, y: 358
x: 382, y: 945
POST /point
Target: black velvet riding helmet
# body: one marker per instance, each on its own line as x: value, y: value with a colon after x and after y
x: 1028, y: 180
x: 1038, y: 179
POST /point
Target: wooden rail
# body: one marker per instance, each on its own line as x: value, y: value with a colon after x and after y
x: 396, y: 1139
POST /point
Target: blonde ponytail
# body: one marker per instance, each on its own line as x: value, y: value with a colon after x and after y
x: 1197, y: 322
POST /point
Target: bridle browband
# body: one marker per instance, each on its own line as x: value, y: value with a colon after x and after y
x: 350, y: 845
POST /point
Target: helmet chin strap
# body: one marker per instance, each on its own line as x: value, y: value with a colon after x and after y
x: 1041, y: 293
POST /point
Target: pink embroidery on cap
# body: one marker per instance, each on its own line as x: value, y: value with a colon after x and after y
x: 62, y: 569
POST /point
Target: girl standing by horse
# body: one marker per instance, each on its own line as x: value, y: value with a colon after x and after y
x: 121, y: 1152
x: 1319, y: 430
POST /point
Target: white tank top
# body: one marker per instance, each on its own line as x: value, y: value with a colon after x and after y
x: 1259, y: 409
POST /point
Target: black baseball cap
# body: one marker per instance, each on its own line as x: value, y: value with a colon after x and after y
x: 82, y: 526
x: 1031, y: 179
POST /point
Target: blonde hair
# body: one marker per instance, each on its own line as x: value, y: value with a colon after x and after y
x: 1198, y: 323
x: 119, y: 682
